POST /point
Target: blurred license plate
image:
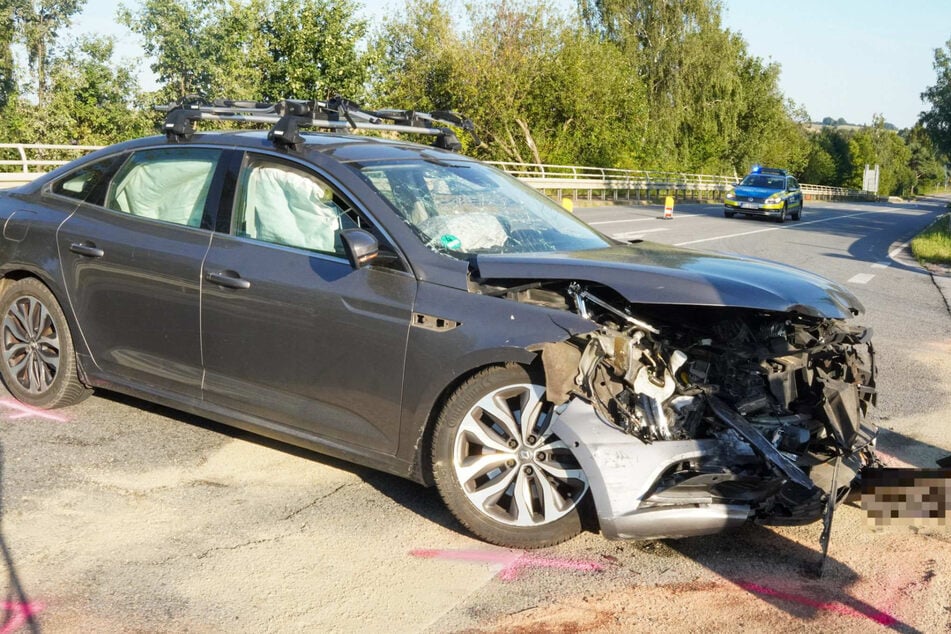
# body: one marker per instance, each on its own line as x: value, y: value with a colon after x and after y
x: 749, y: 205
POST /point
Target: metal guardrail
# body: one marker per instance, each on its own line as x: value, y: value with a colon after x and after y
x: 609, y: 183
x: 641, y: 184
x: 34, y: 159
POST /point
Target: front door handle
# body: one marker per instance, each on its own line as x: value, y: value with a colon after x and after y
x: 228, y: 279
x: 87, y: 248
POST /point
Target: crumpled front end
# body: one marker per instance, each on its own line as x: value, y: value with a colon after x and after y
x: 690, y: 420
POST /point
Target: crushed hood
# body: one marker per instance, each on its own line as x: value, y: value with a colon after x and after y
x: 652, y: 273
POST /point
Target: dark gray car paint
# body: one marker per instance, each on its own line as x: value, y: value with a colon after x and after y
x: 311, y: 343
x: 437, y: 360
x: 651, y: 273
x: 137, y: 304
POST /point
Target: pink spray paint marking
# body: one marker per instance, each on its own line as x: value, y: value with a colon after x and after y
x: 25, y: 411
x: 891, y: 461
x: 512, y: 562
x: 19, y: 614
x: 829, y: 606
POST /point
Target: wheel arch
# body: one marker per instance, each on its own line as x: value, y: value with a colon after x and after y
x: 421, y: 469
x: 65, y: 384
x: 12, y: 275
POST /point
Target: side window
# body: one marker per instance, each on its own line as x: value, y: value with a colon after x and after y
x: 793, y: 184
x: 90, y: 182
x: 282, y: 203
x: 168, y: 184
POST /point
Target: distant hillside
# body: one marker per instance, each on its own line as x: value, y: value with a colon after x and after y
x: 815, y: 126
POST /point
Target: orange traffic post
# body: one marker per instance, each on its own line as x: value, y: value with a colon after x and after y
x: 669, y: 208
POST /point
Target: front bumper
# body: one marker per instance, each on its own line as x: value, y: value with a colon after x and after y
x: 760, y: 208
x: 623, y: 473
x: 621, y: 470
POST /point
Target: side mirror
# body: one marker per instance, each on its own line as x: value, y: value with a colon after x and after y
x: 360, y: 246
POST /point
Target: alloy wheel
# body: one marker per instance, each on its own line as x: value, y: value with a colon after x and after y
x: 509, y: 464
x: 31, y: 345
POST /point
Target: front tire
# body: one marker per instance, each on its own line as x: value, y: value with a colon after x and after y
x: 499, y: 468
x: 782, y: 214
x: 729, y: 214
x: 37, y: 358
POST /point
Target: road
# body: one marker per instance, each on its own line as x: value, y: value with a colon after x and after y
x: 122, y: 516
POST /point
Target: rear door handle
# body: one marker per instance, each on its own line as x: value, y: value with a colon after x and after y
x: 87, y: 248
x: 228, y: 279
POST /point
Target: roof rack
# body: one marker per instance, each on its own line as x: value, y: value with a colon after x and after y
x: 289, y: 115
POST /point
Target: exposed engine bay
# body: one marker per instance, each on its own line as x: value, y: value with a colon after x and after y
x: 766, y: 410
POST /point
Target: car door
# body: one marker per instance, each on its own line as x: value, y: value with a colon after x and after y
x: 793, y: 186
x: 291, y: 332
x: 132, y: 267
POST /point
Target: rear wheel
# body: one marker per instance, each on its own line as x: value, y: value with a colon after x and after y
x: 798, y: 215
x: 37, y: 359
x: 498, y: 466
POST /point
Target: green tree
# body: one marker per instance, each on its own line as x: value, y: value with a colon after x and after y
x: 874, y: 145
x: 926, y: 169
x: 38, y: 23
x: 592, y: 108
x: 685, y: 61
x: 7, y: 66
x: 769, y: 129
x: 312, y: 49
x: 712, y: 106
x: 92, y: 99
x: 260, y: 49
x: 540, y: 89
x: 418, y: 59
x: 820, y: 167
x: 179, y: 36
x: 97, y: 98
x: 836, y: 143
x: 937, y: 119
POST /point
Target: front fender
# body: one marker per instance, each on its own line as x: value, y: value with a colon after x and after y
x: 503, y: 332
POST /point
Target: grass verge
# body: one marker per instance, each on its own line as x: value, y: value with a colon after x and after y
x: 933, y: 245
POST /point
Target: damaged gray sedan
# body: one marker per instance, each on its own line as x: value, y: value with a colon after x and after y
x: 413, y: 310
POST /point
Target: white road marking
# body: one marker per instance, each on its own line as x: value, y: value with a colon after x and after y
x: 634, y: 234
x: 861, y: 278
x: 785, y: 226
x: 901, y: 247
x: 611, y: 222
x: 881, y: 265
x: 676, y: 217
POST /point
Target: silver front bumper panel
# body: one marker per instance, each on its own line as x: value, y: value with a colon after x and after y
x: 621, y: 470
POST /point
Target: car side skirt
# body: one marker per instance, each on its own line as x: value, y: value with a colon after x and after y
x: 256, y: 425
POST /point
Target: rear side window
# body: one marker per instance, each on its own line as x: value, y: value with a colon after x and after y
x: 169, y: 184
x: 90, y: 182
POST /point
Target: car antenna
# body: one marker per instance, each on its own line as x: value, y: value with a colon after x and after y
x: 290, y: 115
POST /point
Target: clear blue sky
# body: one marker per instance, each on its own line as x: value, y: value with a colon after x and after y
x: 839, y: 58
x: 848, y: 58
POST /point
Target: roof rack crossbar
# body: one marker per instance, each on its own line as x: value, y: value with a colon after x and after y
x: 289, y: 115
